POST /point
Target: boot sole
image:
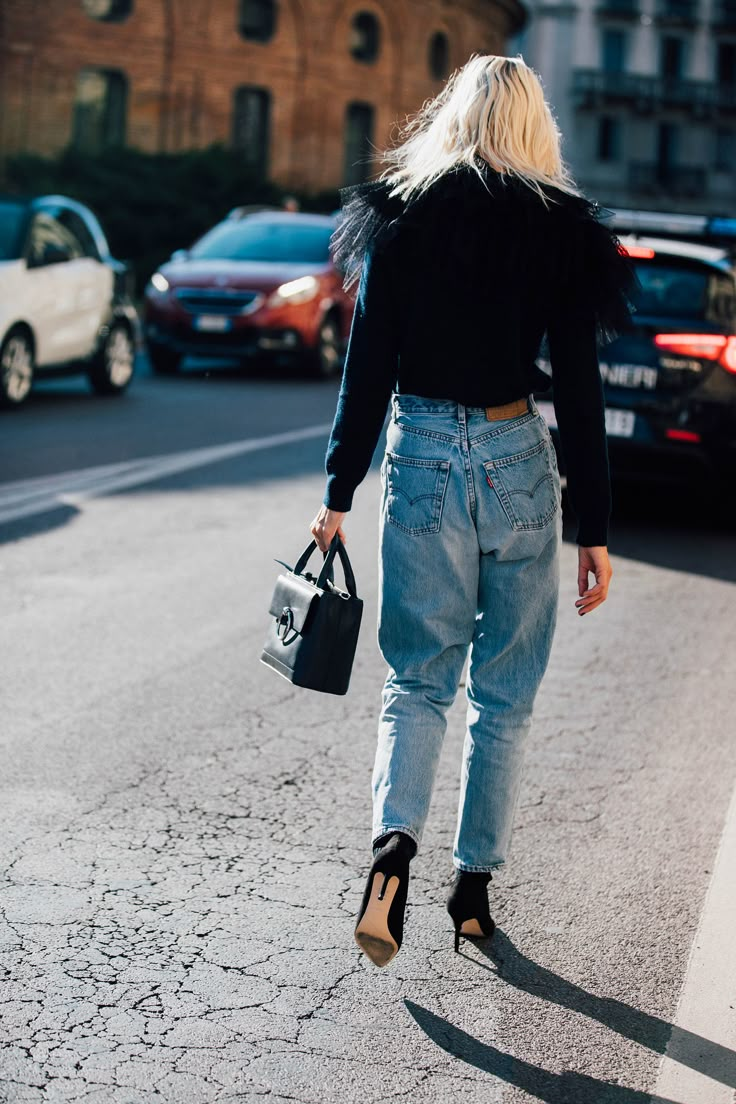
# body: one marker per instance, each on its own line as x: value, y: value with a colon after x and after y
x: 372, y: 932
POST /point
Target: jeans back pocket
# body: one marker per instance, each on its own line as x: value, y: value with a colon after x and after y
x: 527, y: 486
x: 415, y: 492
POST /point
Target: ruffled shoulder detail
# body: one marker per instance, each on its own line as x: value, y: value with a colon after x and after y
x: 592, y: 265
x: 601, y: 275
x: 369, y: 217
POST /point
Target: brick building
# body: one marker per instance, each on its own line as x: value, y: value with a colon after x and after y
x: 302, y: 87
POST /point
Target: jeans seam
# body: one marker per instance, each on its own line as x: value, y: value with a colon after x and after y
x: 517, y: 424
x: 437, y: 436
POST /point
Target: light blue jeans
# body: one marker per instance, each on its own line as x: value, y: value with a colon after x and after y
x: 470, y: 533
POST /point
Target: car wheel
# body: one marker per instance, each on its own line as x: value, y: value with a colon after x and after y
x: 114, y: 363
x: 328, y: 353
x: 163, y: 361
x: 16, y: 368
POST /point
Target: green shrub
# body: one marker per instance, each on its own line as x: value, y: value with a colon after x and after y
x: 151, y: 204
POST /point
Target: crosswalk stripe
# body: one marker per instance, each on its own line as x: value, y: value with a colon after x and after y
x: 28, y: 498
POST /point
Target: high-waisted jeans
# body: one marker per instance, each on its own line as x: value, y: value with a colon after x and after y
x: 470, y: 532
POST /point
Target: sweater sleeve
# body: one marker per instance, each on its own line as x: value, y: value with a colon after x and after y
x: 591, y: 303
x: 369, y: 377
x: 579, y: 408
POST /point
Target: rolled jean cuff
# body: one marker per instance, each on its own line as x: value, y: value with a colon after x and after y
x: 466, y: 868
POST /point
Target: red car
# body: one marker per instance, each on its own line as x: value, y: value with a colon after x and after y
x: 256, y: 284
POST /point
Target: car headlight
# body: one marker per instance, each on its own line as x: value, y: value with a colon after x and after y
x: 159, y: 283
x: 296, y: 291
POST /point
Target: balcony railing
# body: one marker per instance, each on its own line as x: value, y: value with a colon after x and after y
x: 678, y: 181
x: 595, y: 88
x: 681, y: 13
x: 619, y: 9
x: 725, y: 97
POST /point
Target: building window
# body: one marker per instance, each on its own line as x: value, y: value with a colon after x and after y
x: 100, y: 107
x: 251, y: 127
x: 609, y: 138
x: 667, y: 149
x: 358, y: 142
x: 365, y: 37
x: 672, y: 58
x: 613, y: 50
x: 725, y: 159
x: 726, y: 63
x: 257, y: 19
x: 439, y: 56
x: 108, y: 11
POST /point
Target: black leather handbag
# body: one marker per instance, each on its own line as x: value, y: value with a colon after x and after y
x: 314, y: 629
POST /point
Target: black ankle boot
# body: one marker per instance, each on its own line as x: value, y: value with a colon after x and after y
x: 467, y: 904
x: 379, y: 929
x: 406, y: 841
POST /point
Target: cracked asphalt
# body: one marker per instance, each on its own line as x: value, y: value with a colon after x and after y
x: 186, y: 837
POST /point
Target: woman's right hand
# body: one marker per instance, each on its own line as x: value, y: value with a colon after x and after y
x: 595, y: 561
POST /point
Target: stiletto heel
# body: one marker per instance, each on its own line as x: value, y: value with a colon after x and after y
x: 379, y: 929
x: 467, y: 904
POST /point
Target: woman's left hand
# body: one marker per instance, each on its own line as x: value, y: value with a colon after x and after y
x: 325, y: 525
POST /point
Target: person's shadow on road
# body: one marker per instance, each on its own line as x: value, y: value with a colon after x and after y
x: 702, y: 1055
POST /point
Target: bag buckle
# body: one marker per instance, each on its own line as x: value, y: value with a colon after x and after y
x: 285, y: 622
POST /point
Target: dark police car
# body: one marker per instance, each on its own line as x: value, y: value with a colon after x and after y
x: 670, y: 382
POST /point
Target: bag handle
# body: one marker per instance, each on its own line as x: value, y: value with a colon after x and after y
x: 336, y: 548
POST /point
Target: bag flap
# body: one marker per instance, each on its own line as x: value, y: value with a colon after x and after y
x: 294, y: 593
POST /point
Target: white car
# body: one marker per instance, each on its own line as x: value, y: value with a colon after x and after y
x: 64, y: 301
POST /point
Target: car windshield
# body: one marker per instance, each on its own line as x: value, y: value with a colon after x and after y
x: 260, y: 240
x: 671, y: 291
x: 11, y: 226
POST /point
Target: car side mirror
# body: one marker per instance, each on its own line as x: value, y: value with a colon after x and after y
x: 179, y: 255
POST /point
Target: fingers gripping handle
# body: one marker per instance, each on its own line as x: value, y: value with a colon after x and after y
x: 336, y: 548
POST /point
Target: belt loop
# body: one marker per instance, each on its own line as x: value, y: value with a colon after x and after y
x: 461, y: 414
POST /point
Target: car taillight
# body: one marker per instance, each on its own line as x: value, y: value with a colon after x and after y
x: 638, y: 251
x: 683, y: 435
x: 720, y: 347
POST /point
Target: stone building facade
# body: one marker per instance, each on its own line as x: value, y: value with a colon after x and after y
x: 305, y: 88
x: 645, y: 94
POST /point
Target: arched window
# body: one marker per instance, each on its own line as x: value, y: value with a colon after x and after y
x: 100, y: 108
x: 251, y: 127
x: 108, y: 11
x: 365, y: 37
x: 358, y: 142
x: 439, y: 56
x: 257, y: 19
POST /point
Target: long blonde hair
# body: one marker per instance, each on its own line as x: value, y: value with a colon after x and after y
x: 493, y: 108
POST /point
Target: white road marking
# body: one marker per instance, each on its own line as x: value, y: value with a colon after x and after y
x: 29, y: 497
x: 700, y: 1064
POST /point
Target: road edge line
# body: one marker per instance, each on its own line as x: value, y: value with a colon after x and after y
x: 707, y: 1003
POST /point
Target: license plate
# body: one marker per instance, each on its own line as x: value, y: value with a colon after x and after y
x: 619, y: 423
x: 212, y: 323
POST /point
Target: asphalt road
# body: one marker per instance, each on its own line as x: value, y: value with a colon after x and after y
x: 185, y: 837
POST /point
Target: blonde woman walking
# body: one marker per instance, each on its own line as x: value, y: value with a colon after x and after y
x: 473, y: 244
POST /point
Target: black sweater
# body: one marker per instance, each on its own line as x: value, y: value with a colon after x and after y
x: 457, y: 291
